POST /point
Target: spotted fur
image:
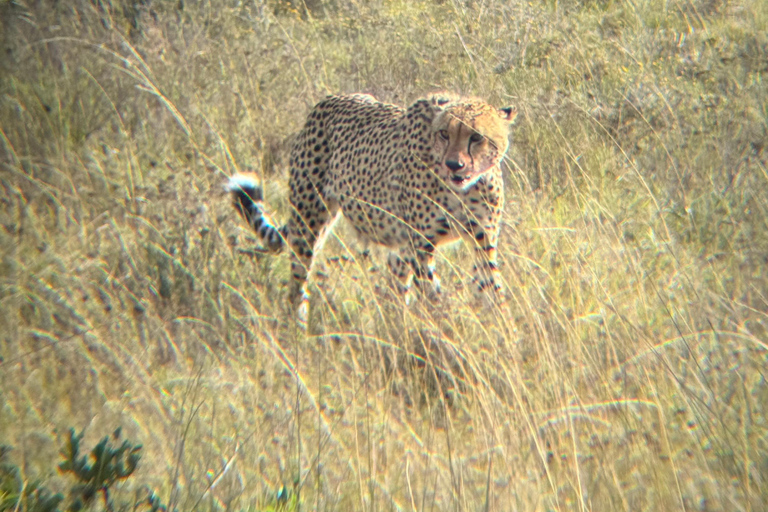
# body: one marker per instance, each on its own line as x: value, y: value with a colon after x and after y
x: 408, y: 179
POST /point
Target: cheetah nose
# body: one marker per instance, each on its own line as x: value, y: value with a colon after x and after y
x: 454, y: 165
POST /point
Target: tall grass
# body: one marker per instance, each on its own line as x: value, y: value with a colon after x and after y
x: 626, y: 370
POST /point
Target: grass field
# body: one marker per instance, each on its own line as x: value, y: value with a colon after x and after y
x: 625, y: 371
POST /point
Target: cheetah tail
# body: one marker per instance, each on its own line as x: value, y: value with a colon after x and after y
x: 247, y: 199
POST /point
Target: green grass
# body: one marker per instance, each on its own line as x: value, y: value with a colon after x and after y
x: 626, y: 371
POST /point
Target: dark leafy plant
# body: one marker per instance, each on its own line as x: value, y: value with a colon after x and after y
x: 154, y: 503
x: 108, y: 465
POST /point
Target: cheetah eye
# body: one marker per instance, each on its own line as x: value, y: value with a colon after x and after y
x: 475, y: 137
x: 444, y: 134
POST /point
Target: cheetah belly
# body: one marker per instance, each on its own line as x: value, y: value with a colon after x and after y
x: 368, y: 200
x: 374, y: 220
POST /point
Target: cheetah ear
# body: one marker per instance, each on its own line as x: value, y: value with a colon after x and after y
x: 439, y: 100
x: 508, y: 114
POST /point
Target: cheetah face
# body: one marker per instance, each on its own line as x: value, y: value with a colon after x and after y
x: 470, y: 139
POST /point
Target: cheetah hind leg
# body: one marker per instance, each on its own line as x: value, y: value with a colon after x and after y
x: 305, y: 241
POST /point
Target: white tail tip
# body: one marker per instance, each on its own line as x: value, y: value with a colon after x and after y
x: 241, y: 182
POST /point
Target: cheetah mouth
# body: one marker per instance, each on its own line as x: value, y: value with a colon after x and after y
x: 460, y: 180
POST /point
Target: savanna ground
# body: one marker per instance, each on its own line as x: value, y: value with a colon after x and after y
x: 625, y: 371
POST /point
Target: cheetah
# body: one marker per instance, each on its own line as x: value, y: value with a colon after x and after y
x: 410, y: 179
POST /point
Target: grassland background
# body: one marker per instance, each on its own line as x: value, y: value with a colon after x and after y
x: 626, y: 370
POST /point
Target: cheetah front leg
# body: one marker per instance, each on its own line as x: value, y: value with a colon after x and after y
x: 402, y: 273
x: 415, y: 264
x: 486, y: 277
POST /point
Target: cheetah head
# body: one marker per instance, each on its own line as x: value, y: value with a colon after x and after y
x: 469, y: 138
